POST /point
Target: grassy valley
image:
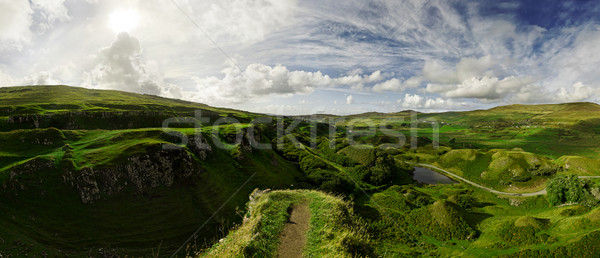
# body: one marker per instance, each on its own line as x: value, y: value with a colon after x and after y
x: 99, y: 173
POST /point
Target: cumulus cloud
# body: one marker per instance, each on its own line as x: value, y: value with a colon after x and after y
x: 350, y: 100
x: 15, y: 19
x: 357, y: 81
x: 440, y: 72
x: 122, y: 67
x: 578, y: 92
x: 484, y: 88
x: 415, y: 101
x: 5, y: 79
x: 262, y: 80
x: 41, y: 78
x: 395, y: 84
x: 475, y: 78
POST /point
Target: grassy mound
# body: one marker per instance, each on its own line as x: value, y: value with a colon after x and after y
x: 580, y: 165
x: 528, y: 221
x: 331, y: 231
x: 498, y: 168
x: 574, y: 211
x: 443, y: 220
x: 518, y: 164
x: 357, y: 153
x: 586, y: 246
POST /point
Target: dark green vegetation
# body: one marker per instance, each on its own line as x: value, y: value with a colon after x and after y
x: 571, y: 189
x: 90, y: 172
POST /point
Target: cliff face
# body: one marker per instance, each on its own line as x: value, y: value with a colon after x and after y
x: 143, y: 172
x: 159, y: 165
x: 156, y: 167
x: 74, y: 120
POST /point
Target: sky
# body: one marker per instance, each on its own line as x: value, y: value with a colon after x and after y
x: 304, y: 57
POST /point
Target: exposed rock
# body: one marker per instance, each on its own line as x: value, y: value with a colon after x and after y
x: 152, y: 169
x: 198, y: 145
x: 73, y: 120
x: 29, y: 168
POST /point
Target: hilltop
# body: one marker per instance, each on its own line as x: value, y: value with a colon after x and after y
x: 93, y: 172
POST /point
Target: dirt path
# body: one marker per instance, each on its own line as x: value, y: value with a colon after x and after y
x: 541, y: 192
x: 293, y: 236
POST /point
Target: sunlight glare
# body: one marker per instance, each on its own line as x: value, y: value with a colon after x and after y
x: 123, y: 20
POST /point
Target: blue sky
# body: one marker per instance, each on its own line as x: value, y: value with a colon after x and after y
x: 302, y: 57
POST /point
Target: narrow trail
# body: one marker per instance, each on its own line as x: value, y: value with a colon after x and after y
x: 293, y: 236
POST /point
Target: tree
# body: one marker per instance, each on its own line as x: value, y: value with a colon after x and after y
x: 568, y: 189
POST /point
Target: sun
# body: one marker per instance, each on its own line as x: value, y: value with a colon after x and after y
x: 123, y: 20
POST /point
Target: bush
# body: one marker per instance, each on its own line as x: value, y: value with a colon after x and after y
x: 577, y: 210
x: 330, y: 181
x: 463, y: 200
x: 310, y: 162
x: 569, y: 189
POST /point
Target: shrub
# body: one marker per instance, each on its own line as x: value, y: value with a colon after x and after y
x: 569, y: 189
x: 463, y: 200
x: 310, y: 162
x: 577, y: 210
x: 330, y: 181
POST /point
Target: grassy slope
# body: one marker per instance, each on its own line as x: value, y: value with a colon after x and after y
x: 56, y: 99
x: 49, y: 214
x: 398, y: 220
x: 330, y: 234
x: 504, y: 170
x: 551, y: 130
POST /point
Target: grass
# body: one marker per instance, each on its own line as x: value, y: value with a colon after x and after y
x: 504, y: 170
x: 130, y: 222
x: 498, y: 147
x: 527, y: 223
x: 331, y: 232
x: 580, y: 165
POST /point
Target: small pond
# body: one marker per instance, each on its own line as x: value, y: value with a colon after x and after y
x: 428, y: 176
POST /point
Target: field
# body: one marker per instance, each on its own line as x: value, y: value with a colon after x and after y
x: 91, y: 172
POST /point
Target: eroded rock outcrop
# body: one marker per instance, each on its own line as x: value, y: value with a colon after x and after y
x: 27, y: 171
x: 156, y: 167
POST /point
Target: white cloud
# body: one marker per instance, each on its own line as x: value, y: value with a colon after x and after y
x: 41, y: 78
x: 415, y: 101
x: 439, y: 72
x: 15, y: 19
x: 396, y: 85
x: 246, y: 20
x: 411, y: 101
x: 389, y: 85
x: 350, y: 100
x: 485, y: 88
x: 5, y: 79
x: 262, y: 80
x: 459, y: 55
x: 578, y: 92
x: 50, y: 12
x: 121, y: 66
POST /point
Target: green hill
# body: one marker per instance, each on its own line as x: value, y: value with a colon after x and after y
x: 500, y: 169
x: 94, y: 173
x: 331, y: 231
x: 89, y: 171
x: 66, y: 107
